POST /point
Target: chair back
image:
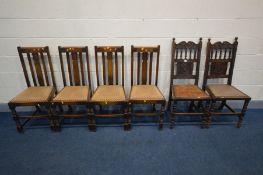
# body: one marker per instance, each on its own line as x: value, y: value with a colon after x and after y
x: 145, y: 56
x: 110, y: 58
x: 37, y: 66
x: 185, y: 60
x: 75, y: 69
x: 220, y: 60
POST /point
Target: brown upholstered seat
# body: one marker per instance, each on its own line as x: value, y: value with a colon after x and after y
x: 109, y: 93
x: 146, y: 92
x: 225, y: 91
x: 73, y: 94
x: 33, y: 95
x: 188, y: 92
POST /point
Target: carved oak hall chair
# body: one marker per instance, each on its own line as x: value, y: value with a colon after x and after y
x: 142, y: 90
x: 38, y: 71
x: 185, y: 63
x: 110, y: 93
x: 220, y: 60
x: 75, y: 71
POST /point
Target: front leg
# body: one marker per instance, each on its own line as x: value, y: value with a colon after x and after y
x: 161, y: 116
x: 19, y: 126
x: 243, y: 112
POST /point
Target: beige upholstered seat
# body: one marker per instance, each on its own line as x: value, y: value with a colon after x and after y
x: 109, y: 93
x: 34, y: 95
x: 73, y: 94
x: 146, y: 92
x: 188, y: 92
x: 225, y: 91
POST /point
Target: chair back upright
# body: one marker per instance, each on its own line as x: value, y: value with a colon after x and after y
x: 220, y: 61
x: 145, y: 56
x: 74, y: 62
x: 37, y: 66
x: 110, y: 58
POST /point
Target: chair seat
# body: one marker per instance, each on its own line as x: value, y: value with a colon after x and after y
x: 34, y: 95
x: 146, y: 92
x: 71, y: 94
x: 225, y: 91
x: 109, y: 93
x: 188, y: 92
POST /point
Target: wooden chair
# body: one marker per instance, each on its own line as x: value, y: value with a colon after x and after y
x: 185, y: 63
x: 220, y: 60
x: 74, y: 63
x: 41, y: 85
x: 110, y: 88
x: 143, y: 92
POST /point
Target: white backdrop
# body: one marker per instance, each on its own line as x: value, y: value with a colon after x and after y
x: 126, y: 22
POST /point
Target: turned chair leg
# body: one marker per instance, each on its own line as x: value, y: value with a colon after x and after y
x: 207, y: 115
x: 161, y: 116
x: 127, y: 125
x: 191, y: 106
x: 19, y: 126
x: 51, y: 114
x: 92, y: 121
x: 172, y: 117
x: 241, y: 117
x: 55, y: 121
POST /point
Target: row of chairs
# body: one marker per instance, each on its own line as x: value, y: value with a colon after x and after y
x: 109, y: 62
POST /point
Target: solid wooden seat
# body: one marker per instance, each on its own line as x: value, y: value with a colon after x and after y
x: 39, y: 75
x: 34, y: 95
x: 76, y: 94
x: 109, y: 93
x: 225, y: 91
x: 144, y: 90
x: 145, y: 93
x: 220, y: 61
x: 188, y: 92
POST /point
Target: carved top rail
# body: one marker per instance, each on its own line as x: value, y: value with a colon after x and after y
x: 185, y: 60
x: 220, y: 60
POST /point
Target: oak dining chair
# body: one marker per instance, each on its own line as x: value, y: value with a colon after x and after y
x: 185, y: 63
x: 41, y: 86
x: 110, y: 91
x: 144, y: 88
x: 220, y: 61
x: 75, y: 70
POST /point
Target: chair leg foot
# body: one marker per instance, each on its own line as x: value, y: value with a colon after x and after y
x: 239, y: 123
x: 20, y: 129
x: 92, y: 128
x: 127, y: 127
x: 161, y: 122
x: 172, y: 121
x: 209, y: 121
x: 160, y: 126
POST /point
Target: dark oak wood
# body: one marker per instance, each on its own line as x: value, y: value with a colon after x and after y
x: 144, y: 56
x: 112, y: 59
x: 220, y: 61
x: 76, y: 58
x: 37, y: 57
x: 185, y: 63
x: 36, y: 63
x: 73, y: 61
x: 110, y: 54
